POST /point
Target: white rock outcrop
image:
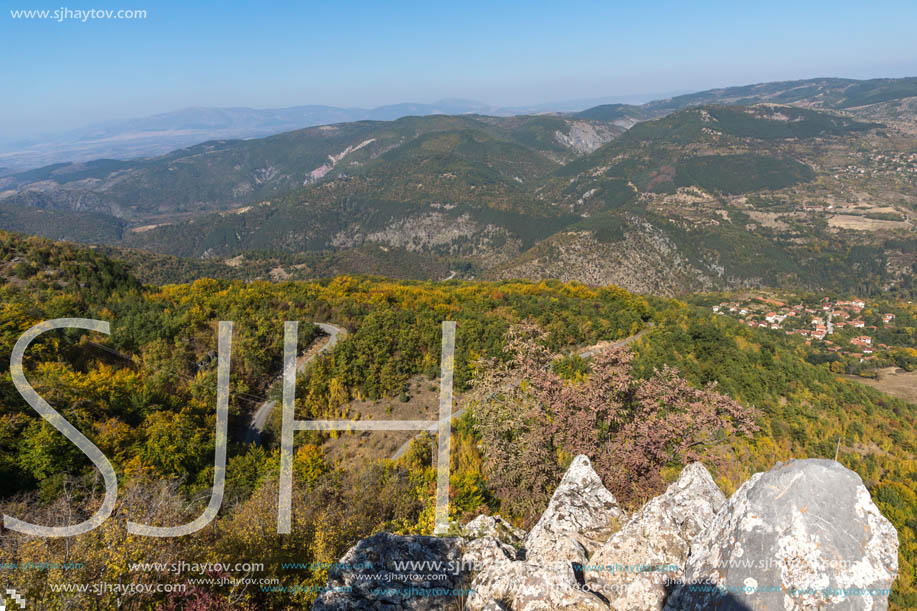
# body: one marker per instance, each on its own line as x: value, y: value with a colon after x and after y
x: 521, y: 586
x: 633, y: 567
x: 481, y: 554
x: 580, y: 517
x: 804, y: 535
x: 494, y: 526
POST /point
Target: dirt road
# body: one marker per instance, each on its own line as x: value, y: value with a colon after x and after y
x: 259, y: 420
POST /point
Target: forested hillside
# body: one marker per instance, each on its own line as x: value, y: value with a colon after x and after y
x: 146, y: 396
x: 803, y: 185
x: 706, y: 198
x: 226, y: 174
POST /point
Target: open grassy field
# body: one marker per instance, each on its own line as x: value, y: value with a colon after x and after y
x: 894, y: 381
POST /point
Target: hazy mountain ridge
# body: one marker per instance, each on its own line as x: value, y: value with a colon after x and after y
x: 703, y: 198
x: 164, y: 132
x: 713, y: 196
x: 161, y: 133
x: 823, y: 93
x: 231, y: 173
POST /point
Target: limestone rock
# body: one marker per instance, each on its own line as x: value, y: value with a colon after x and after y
x: 522, y: 586
x: 632, y: 567
x: 803, y: 536
x: 580, y: 517
x: 494, y: 526
x: 367, y: 577
x: 482, y: 553
x: 548, y: 588
x: 496, y: 583
x: 808, y: 531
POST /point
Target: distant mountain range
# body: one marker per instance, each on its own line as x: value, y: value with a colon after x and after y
x: 804, y: 184
x: 161, y: 133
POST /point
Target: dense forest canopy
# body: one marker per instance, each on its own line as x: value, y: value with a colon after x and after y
x: 146, y: 396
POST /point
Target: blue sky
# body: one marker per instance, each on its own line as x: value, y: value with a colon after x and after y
x: 57, y: 75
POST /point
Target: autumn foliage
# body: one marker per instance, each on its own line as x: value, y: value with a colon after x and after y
x: 532, y: 420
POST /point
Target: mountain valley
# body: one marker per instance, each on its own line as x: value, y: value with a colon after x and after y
x: 691, y: 193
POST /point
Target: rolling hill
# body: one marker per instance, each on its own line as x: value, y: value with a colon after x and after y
x: 823, y: 93
x: 705, y: 198
x: 165, y: 132
x: 818, y: 194
x: 225, y: 174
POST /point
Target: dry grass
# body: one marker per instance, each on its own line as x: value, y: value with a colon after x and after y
x: 767, y: 219
x: 894, y: 381
x: 861, y: 223
x: 423, y: 404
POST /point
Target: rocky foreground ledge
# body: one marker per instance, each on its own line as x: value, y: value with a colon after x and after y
x: 803, y: 536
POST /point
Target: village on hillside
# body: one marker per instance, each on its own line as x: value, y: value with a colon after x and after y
x: 846, y: 327
x: 880, y: 164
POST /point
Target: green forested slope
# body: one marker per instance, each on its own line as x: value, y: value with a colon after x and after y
x: 145, y: 396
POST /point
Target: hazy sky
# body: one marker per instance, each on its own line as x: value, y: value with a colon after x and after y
x: 56, y: 75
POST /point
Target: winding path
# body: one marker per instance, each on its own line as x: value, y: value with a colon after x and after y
x: 259, y: 419
x: 585, y: 353
x: 591, y: 350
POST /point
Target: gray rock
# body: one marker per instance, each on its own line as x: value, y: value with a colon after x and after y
x: 496, y: 583
x: 368, y: 578
x: 480, y: 554
x: 631, y: 569
x: 580, y: 517
x: 808, y: 531
x: 584, y: 137
x: 522, y: 586
x: 548, y: 588
x: 494, y: 526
